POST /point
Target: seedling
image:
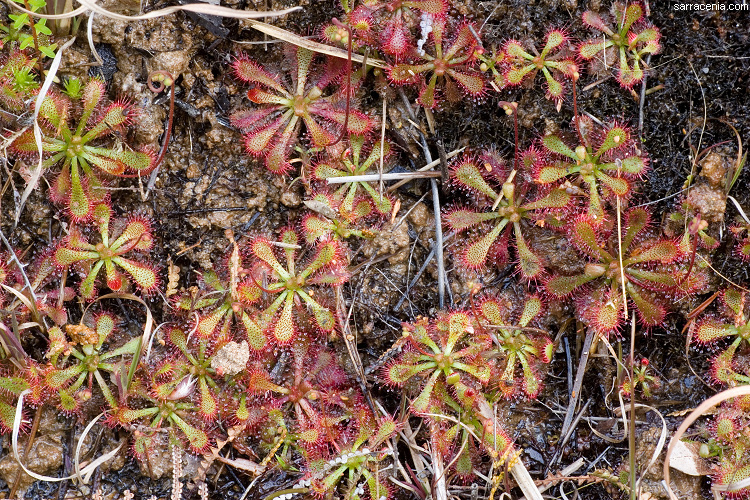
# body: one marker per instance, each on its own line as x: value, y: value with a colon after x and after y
x: 623, y: 46
x: 451, y: 64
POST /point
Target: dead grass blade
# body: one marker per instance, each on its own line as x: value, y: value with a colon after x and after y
x: 302, y: 42
x: 147, y: 330
x: 80, y: 473
x: 198, y: 8
x: 701, y: 410
x: 90, y: 468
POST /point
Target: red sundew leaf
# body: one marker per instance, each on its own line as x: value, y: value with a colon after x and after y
x: 250, y: 72
x: 650, y: 312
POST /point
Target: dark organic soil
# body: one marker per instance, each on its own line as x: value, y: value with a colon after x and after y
x: 207, y: 185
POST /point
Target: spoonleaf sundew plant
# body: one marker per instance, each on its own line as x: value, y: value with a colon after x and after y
x: 271, y: 130
x: 78, y: 186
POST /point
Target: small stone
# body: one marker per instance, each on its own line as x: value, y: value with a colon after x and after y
x: 232, y: 358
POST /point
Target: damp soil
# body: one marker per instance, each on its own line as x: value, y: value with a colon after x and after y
x: 207, y: 185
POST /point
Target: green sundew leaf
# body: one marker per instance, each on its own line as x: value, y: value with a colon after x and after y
x: 211, y: 279
x: 208, y: 407
x: 629, y: 77
x: 256, y: 339
x: 554, y: 88
x: 462, y: 463
x: 556, y: 145
x: 633, y: 165
x: 68, y: 403
x: 636, y: 221
x: 79, y: 203
x: 427, y: 95
x: 347, y: 205
x: 178, y: 338
x: 531, y: 310
x: 422, y: 403
x: 591, y: 48
x: 386, y: 429
x: 649, y: 36
x: 722, y: 365
x: 662, y: 279
x: 481, y: 372
x: 326, y: 256
x: 470, y: 83
x: 632, y: 14
x: 561, y: 286
x: 457, y: 325
x: 516, y: 75
x: 136, y: 161
x: 399, y: 373
x: 618, y: 185
x: 528, y: 261
x: 551, y: 173
x: 616, y: 137
x: 382, y: 204
x: 555, y: 38
x: 316, y: 228
x: 492, y: 311
x: 514, y: 49
x: 319, y: 135
x: 403, y: 73
x: 87, y: 285
x: 662, y: 251
x: 208, y: 324
x: 262, y: 249
x: 375, y: 154
x: 66, y: 256
x: 650, y: 311
x: 326, y: 171
x: 734, y: 299
x: 284, y: 328
x: 557, y: 198
x: 712, y: 330
x: 13, y: 385
x: 475, y: 254
x: 323, y: 317
x: 422, y: 336
x: 585, y: 236
x: 464, y: 219
x: 469, y: 175
x: 304, y: 59
x: 57, y: 379
x: 531, y: 383
x: 330, y: 481
x: 144, y: 276
x: 198, y: 439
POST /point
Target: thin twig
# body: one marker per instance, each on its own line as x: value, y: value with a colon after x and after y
x: 384, y: 177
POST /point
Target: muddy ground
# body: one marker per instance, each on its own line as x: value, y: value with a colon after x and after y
x: 207, y: 185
